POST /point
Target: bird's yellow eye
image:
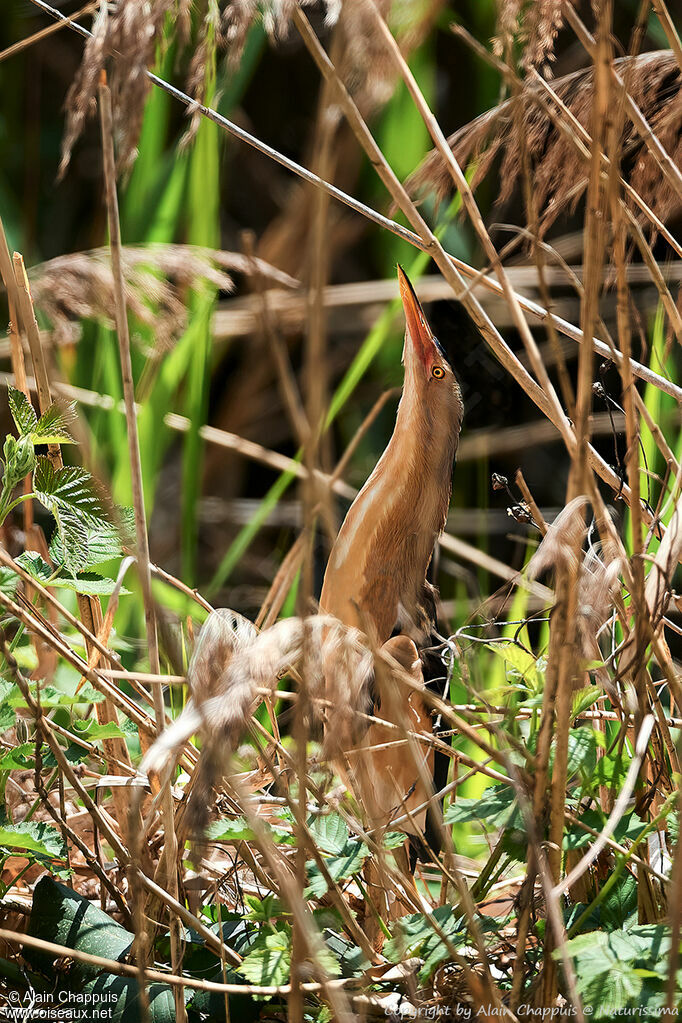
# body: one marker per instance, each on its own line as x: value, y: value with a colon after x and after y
x: 438, y: 372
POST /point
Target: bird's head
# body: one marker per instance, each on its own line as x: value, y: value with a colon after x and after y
x: 430, y: 384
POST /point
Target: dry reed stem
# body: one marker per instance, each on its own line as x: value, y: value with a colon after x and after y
x: 668, y: 25
x: 119, y: 969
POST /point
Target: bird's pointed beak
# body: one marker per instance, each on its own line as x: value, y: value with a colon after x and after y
x: 418, y: 329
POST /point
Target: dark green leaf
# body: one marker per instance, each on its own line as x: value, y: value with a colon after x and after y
x: 18, y: 759
x: 85, y: 582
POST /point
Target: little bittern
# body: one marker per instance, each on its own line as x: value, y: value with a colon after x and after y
x: 376, y: 574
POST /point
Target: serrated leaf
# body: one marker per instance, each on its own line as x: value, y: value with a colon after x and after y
x: 582, y: 752
x: 238, y: 830
x: 628, y: 828
x: 53, y: 425
x: 93, y: 730
x: 70, y: 486
x: 33, y: 837
x: 414, y: 935
x: 9, y: 580
x: 269, y: 960
x: 18, y: 759
x: 22, y: 411
x: 393, y: 840
x: 262, y: 910
x: 85, y: 582
x: 340, y: 867
x: 330, y: 832
x: 51, y: 697
x: 496, y: 806
x: 617, y: 970
x: 104, y: 541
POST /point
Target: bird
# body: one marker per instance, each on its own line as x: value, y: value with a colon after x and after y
x: 376, y: 576
x: 376, y: 615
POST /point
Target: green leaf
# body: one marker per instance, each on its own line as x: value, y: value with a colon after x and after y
x: 263, y: 910
x: 92, y: 730
x: 32, y: 837
x: 238, y: 830
x: 269, y: 960
x: 51, y: 697
x: 340, y: 867
x: 18, y: 759
x: 22, y: 411
x: 415, y: 936
x: 68, y: 493
x: 522, y: 661
x: 582, y: 752
x: 496, y: 806
x: 62, y: 916
x: 104, y: 540
x: 85, y: 582
x: 9, y: 580
x: 615, y: 969
x: 628, y: 828
x: 53, y: 426
x: 330, y: 832
x: 583, y: 700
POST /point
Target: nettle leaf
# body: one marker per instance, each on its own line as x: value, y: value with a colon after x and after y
x: 269, y: 959
x: 51, y: 697
x: 33, y: 837
x: 9, y: 580
x: 330, y: 833
x: 614, y: 969
x: 582, y: 752
x: 68, y: 493
x: 414, y: 936
x: 347, y: 863
x: 104, y: 540
x: 85, y: 582
x: 263, y: 910
x: 628, y: 828
x: 496, y: 806
x: 70, y: 487
x: 238, y: 830
x: 53, y: 426
x: 393, y: 840
x: 22, y: 411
